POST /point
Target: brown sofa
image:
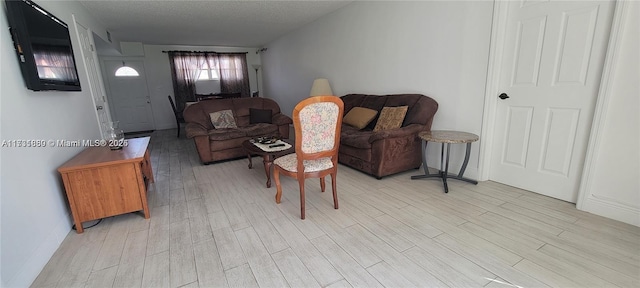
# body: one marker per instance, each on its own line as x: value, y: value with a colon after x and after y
x: 221, y: 144
x: 386, y: 152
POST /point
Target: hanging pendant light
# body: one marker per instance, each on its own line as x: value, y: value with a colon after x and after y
x: 126, y: 71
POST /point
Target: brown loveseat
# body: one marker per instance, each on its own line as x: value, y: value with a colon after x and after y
x: 391, y: 151
x: 221, y: 144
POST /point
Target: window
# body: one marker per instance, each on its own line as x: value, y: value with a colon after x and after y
x: 208, y: 71
x: 126, y: 71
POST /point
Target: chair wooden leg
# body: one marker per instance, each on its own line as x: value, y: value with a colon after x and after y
x: 178, y: 129
x: 334, y: 189
x: 322, y: 188
x: 301, y: 183
x: 276, y: 177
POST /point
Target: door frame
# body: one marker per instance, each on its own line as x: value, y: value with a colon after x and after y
x: 106, y: 80
x: 492, y: 89
x: 99, y: 71
x: 602, y: 104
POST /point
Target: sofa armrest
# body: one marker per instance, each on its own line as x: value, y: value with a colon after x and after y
x: 195, y: 130
x: 281, y: 119
x: 412, y: 129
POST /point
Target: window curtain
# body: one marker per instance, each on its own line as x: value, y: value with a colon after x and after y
x: 185, y: 67
x: 234, y: 74
x: 212, y: 60
x: 55, y: 62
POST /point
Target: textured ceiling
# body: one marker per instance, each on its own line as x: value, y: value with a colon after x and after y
x: 215, y: 23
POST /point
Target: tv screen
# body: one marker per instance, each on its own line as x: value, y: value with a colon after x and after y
x: 43, y: 46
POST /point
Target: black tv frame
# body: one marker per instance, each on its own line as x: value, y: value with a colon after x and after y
x: 23, y: 45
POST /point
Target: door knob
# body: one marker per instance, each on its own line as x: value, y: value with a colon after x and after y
x: 99, y: 107
x: 503, y: 96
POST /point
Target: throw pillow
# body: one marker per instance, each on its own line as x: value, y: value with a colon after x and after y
x: 223, y: 119
x: 259, y: 116
x: 391, y: 118
x: 359, y: 117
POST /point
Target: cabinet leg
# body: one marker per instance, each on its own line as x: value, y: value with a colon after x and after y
x: 79, y: 228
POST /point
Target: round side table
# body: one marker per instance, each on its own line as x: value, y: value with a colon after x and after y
x: 446, y: 137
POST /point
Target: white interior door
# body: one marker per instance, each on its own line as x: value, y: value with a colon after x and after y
x: 552, y: 65
x: 96, y: 86
x: 129, y: 96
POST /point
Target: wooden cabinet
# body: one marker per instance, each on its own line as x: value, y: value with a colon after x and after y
x: 101, y: 182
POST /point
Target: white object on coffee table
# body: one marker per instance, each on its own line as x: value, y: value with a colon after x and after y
x: 265, y: 147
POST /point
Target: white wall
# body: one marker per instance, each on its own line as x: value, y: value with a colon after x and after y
x: 34, y: 212
x: 156, y: 64
x: 614, y: 189
x: 439, y: 49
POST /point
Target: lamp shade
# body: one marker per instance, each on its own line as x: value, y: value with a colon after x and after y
x: 320, y: 87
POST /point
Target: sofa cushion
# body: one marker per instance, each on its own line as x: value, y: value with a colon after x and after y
x: 226, y: 134
x: 223, y: 119
x: 405, y: 100
x: 352, y: 136
x: 373, y: 102
x: 259, y: 129
x: 352, y: 100
x: 391, y: 118
x: 259, y: 116
x: 242, y: 106
x: 359, y: 117
x: 227, y: 148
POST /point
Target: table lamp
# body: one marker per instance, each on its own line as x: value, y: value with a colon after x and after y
x: 320, y: 87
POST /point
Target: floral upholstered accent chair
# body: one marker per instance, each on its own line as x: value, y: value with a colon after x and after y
x: 316, y: 121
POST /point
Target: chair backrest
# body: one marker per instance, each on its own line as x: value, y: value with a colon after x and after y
x: 317, y: 122
x: 173, y: 105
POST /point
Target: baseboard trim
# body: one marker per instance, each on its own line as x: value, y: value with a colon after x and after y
x: 36, y: 262
x: 616, y: 211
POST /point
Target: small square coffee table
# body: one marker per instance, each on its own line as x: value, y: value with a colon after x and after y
x: 267, y: 156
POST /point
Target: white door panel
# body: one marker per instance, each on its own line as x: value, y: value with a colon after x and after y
x: 574, y: 50
x: 517, y: 136
x: 552, y: 64
x: 558, y: 141
x: 96, y: 86
x: 129, y: 96
x: 529, y: 39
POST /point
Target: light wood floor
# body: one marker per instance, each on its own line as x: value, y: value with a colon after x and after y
x: 218, y: 226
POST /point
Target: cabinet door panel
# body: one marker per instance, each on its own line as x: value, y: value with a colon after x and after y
x: 105, y: 191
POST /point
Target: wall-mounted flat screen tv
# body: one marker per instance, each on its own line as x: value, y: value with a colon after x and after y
x: 43, y: 46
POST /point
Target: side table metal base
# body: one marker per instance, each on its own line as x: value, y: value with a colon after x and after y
x: 444, y: 166
x: 444, y: 178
